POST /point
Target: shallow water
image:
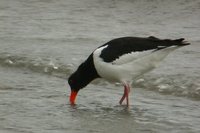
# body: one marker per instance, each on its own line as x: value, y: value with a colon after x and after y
x: 43, y: 41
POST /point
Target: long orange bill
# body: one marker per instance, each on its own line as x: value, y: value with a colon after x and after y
x: 73, y: 97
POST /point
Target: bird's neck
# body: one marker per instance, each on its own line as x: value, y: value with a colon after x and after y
x: 88, y: 70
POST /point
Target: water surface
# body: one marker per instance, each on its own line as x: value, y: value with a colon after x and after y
x: 43, y: 41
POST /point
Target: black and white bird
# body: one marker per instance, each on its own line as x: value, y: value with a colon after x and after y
x: 122, y: 60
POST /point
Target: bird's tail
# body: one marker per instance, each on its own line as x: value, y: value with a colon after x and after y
x: 169, y: 42
x: 180, y: 42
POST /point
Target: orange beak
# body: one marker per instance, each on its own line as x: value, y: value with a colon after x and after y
x: 73, y: 97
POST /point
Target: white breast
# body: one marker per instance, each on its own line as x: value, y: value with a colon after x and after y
x: 106, y: 70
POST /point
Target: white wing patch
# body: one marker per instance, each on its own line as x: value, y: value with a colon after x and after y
x: 129, y: 57
x: 99, y: 50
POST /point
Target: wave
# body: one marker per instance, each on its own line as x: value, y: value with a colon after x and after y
x: 178, y: 85
x: 44, y: 66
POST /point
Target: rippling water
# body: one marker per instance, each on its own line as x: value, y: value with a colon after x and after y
x: 43, y: 41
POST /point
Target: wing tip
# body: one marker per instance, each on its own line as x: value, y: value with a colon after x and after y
x: 182, y: 42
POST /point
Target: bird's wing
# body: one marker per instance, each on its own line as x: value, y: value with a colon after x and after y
x: 129, y: 57
x: 122, y: 50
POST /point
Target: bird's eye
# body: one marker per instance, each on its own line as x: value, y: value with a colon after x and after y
x: 71, y: 81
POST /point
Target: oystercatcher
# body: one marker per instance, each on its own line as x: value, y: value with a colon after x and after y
x: 122, y: 60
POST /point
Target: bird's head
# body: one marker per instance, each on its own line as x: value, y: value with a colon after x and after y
x: 75, y: 85
x: 77, y: 81
x: 81, y: 77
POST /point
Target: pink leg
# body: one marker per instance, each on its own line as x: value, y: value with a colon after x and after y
x: 125, y: 95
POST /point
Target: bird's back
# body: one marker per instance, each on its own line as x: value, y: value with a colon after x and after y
x: 129, y: 57
x: 121, y: 46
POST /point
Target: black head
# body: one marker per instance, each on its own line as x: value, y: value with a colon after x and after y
x: 85, y: 73
x: 77, y: 81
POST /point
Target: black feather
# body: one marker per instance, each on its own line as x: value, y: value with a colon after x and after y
x: 124, y: 45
